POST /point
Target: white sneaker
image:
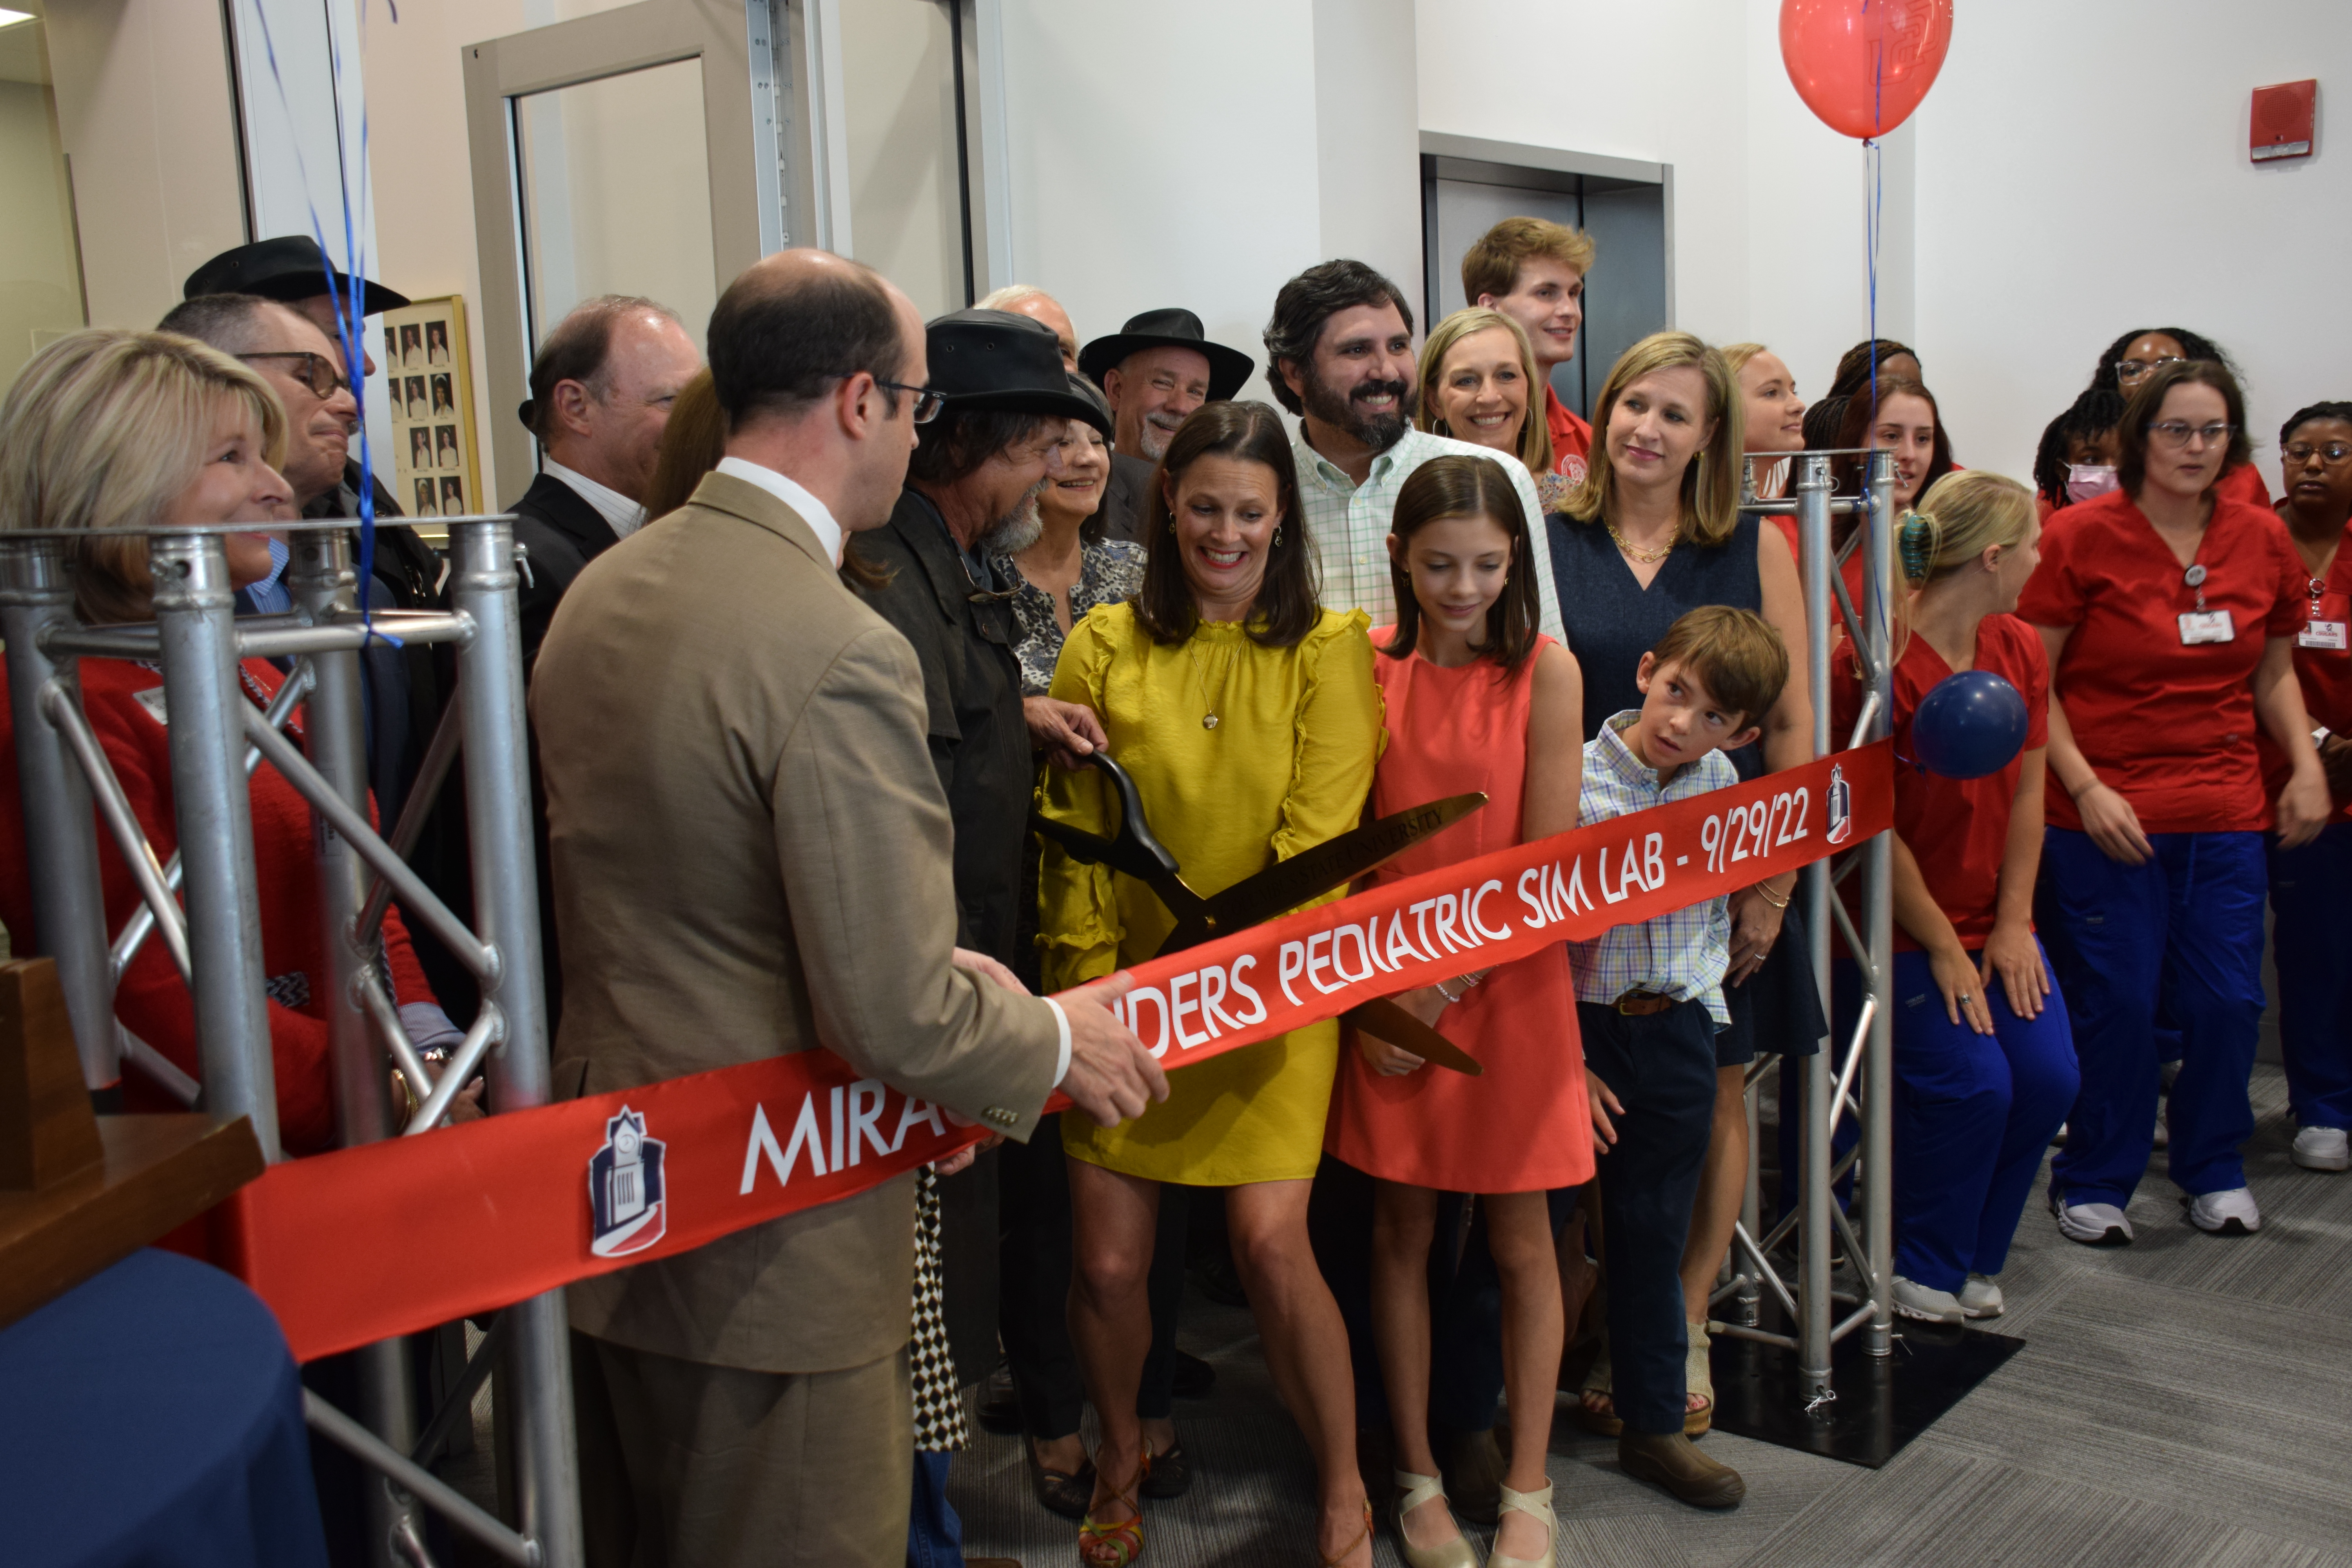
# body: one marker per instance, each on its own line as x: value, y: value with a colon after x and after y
x: 2093, y: 1225
x: 1981, y: 1298
x: 1927, y: 1305
x: 2322, y: 1149
x: 2230, y: 1213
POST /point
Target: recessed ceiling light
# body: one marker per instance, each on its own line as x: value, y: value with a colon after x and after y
x: 10, y: 19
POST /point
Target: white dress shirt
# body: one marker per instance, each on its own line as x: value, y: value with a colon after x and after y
x: 624, y: 516
x: 819, y: 517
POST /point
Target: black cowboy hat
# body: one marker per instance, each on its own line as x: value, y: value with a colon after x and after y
x: 1171, y: 329
x: 995, y: 359
x: 289, y: 267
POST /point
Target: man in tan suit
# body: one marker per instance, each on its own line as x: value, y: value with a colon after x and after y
x: 751, y: 856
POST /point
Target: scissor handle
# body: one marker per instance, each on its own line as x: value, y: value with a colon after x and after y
x: 1133, y: 830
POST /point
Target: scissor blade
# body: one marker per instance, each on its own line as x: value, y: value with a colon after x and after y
x: 1334, y: 863
x: 1407, y: 1033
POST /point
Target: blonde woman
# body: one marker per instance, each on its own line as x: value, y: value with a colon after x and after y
x: 1478, y: 381
x: 1775, y: 419
x: 1984, y: 1057
x: 1654, y: 532
x: 115, y: 430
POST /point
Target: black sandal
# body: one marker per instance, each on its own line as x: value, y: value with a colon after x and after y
x: 1171, y: 1474
x: 1055, y: 1492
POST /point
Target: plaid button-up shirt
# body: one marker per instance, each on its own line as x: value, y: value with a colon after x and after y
x: 1349, y: 523
x: 1683, y: 954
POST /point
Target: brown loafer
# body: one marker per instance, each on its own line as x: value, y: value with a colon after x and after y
x: 1471, y: 1464
x: 1673, y: 1461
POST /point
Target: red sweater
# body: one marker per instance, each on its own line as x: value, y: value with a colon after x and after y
x: 152, y: 1002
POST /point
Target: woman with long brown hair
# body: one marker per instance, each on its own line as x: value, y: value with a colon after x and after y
x: 1248, y: 719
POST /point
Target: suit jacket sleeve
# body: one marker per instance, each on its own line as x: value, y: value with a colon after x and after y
x: 867, y: 855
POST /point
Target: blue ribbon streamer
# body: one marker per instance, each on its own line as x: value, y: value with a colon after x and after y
x: 349, y: 304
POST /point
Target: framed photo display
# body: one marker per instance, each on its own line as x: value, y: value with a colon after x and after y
x: 435, y: 458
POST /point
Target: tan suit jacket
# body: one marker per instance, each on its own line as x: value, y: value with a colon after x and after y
x: 751, y: 856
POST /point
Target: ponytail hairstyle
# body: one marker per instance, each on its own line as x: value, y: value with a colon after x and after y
x: 1962, y: 515
x: 1461, y: 484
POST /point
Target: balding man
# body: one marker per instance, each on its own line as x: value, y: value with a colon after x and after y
x: 601, y: 390
x: 754, y: 857
x: 1028, y: 299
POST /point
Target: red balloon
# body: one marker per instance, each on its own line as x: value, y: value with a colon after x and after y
x: 1863, y: 65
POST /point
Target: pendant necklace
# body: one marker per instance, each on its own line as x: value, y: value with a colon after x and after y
x: 1645, y: 557
x: 1209, y: 719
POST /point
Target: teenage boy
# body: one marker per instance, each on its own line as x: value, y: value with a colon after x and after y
x: 1648, y: 1001
x: 1533, y: 271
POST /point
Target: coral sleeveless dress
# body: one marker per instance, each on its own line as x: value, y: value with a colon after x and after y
x: 1524, y: 1125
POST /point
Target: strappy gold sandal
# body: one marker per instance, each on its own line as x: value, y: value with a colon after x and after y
x: 1121, y: 1544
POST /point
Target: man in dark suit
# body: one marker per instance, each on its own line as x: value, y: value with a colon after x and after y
x: 601, y: 390
x: 1155, y: 370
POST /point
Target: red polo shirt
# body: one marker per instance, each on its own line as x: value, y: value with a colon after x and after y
x: 1571, y: 439
x: 2169, y: 726
x: 1958, y: 829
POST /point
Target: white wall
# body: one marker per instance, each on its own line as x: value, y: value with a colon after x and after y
x: 2076, y: 170
x: 2082, y: 171
x: 1203, y: 155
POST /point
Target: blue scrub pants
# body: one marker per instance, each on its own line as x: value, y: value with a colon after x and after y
x: 2183, y: 932
x: 2311, y: 937
x: 1973, y: 1115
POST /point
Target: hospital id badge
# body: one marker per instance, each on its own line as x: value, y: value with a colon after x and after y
x: 2323, y: 634
x: 2206, y: 626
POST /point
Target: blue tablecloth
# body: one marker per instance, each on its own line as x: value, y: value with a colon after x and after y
x: 152, y: 1417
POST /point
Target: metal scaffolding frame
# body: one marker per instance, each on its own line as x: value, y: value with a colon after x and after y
x: 205, y: 907
x: 1819, y: 1226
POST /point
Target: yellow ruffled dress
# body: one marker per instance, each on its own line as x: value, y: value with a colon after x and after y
x: 1288, y: 767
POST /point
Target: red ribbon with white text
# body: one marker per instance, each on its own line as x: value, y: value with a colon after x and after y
x: 393, y: 1238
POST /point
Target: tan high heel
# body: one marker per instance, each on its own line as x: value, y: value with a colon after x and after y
x: 1414, y: 1492
x: 1535, y: 1505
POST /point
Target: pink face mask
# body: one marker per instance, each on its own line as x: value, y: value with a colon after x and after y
x: 2086, y: 481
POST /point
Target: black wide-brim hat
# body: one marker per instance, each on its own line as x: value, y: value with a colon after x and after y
x: 995, y: 359
x: 1172, y: 329
x: 291, y: 267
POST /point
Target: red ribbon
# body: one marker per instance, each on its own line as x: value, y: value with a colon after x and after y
x: 395, y: 1236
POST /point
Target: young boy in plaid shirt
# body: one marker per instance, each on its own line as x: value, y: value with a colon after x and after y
x: 1648, y: 1001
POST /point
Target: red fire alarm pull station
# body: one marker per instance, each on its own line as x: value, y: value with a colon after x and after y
x: 2280, y: 126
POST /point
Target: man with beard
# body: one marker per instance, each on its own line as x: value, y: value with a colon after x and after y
x: 971, y: 492
x: 1339, y: 355
x: 1155, y: 370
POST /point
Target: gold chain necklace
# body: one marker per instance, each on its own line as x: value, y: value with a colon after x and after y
x: 1191, y: 648
x: 1645, y: 557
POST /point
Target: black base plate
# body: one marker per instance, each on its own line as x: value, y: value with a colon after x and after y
x: 1883, y: 1402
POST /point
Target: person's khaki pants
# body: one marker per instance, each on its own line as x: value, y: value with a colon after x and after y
x: 726, y: 1466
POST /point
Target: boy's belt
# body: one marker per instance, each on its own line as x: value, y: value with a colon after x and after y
x: 1641, y: 1004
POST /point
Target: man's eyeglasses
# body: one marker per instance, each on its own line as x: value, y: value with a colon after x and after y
x: 927, y: 402
x: 2303, y: 452
x: 316, y: 371
x: 2131, y: 370
x: 2176, y: 433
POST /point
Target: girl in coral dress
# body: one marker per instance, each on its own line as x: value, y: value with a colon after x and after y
x: 1475, y: 698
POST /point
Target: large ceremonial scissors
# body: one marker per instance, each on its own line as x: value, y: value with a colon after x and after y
x: 1136, y: 852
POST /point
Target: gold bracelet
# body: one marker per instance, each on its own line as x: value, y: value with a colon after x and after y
x: 1765, y: 894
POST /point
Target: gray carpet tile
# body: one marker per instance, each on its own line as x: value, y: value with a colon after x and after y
x: 2181, y: 1401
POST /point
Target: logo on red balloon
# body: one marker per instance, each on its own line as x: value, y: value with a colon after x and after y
x: 1862, y: 66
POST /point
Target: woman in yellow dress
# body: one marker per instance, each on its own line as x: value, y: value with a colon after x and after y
x: 1250, y: 722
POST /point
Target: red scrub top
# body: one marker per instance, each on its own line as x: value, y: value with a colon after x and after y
x: 2170, y: 727
x: 2324, y: 673
x: 2244, y: 483
x: 1958, y: 829
x: 1571, y: 439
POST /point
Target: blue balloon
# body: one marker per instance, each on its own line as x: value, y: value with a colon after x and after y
x: 1972, y: 724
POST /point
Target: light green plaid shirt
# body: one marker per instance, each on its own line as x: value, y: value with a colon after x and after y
x: 1349, y: 523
